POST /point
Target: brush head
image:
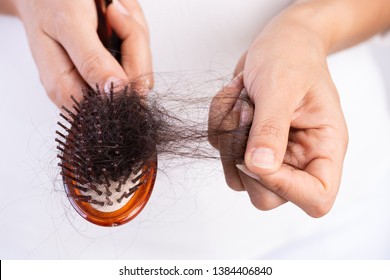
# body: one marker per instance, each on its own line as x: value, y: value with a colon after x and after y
x: 107, y: 149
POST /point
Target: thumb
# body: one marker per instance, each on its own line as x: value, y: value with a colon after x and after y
x: 268, y: 136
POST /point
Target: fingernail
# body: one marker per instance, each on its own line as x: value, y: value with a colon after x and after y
x: 110, y: 84
x: 119, y: 7
x: 245, y: 170
x: 263, y: 158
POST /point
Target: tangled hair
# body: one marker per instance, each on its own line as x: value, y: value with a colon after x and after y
x: 116, y: 132
x: 110, y: 144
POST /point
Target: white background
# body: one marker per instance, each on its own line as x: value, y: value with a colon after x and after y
x: 192, y: 213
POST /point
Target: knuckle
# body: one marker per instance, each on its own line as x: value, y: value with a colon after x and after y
x: 321, y: 209
x: 230, y: 181
x: 233, y: 183
x: 50, y: 88
x: 266, y: 128
x: 266, y: 81
x: 52, y: 96
x: 137, y: 32
x: 56, y: 88
x: 89, y: 65
x: 265, y: 202
x: 59, y: 26
x: 54, y: 93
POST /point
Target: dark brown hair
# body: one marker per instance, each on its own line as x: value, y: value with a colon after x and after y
x: 116, y: 132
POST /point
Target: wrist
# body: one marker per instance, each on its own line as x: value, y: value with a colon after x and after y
x: 307, y: 21
x: 341, y: 23
x: 291, y: 34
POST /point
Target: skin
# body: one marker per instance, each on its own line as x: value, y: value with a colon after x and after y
x: 298, y: 139
x: 65, y: 46
x: 298, y: 126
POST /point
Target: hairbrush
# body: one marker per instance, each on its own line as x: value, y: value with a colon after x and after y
x: 108, y: 162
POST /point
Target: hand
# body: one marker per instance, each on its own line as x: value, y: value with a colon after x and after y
x: 68, y: 52
x: 298, y: 138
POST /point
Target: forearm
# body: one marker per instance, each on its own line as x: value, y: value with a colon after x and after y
x: 341, y: 23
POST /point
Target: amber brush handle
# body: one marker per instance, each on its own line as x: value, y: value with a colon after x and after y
x: 110, y: 40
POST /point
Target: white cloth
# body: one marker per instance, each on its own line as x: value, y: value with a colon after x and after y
x: 192, y: 213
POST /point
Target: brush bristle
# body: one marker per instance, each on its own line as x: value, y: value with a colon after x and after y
x: 102, y: 146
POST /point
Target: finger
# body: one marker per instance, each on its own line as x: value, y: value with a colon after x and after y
x: 310, y: 177
x: 268, y: 136
x: 313, y: 190
x: 227, y: 146
x: 261, y: 197
x: 232, y: 176
x: 57, y: 72
x: 232, y: 139
x: 136, y: 54
x: 135, y: 10
x: 94, y: 63
x: 222, y: 103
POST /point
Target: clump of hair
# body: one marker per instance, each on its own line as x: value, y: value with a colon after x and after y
x: 111, y: 135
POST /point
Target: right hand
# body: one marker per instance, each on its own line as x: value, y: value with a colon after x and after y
x: 69, y: 54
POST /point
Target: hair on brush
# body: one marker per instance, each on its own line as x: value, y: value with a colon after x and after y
x: 109, y: 144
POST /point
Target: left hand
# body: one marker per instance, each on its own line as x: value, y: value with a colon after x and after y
x: 298, y: 138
